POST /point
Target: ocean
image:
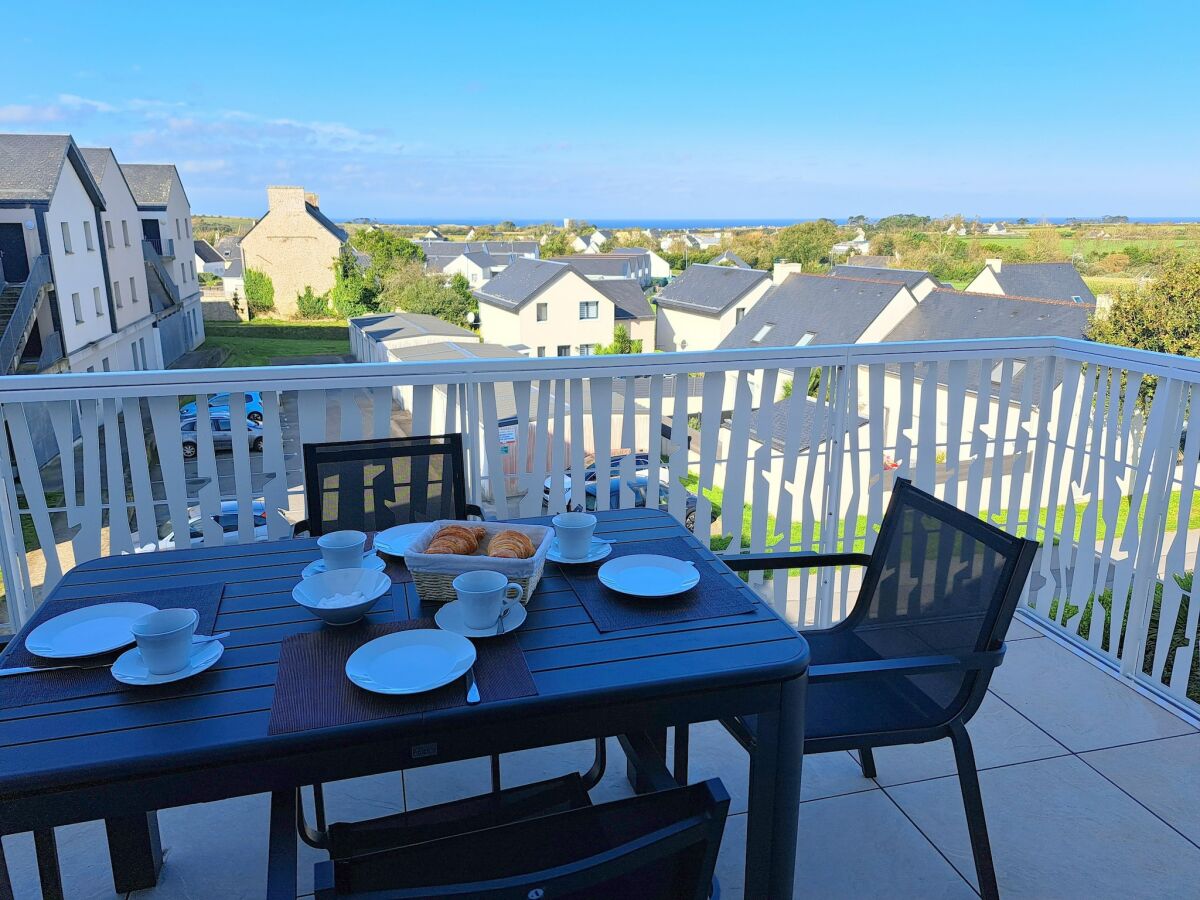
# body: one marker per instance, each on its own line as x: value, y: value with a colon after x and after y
x: 701, y: 224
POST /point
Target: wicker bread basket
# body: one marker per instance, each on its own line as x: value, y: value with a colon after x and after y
x: 434, y: 573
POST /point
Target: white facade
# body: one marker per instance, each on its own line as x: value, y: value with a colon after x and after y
x: 556, y: 321
x: 679, y: 329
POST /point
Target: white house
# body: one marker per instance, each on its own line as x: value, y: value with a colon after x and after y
x: 659, y: 268
x: 546, y: 307
x: 170, y: 254
x: 997, y: 228
x: 603, y: 266
x: 1044, y: 281
x: 208, y: 259
x: 700, y: 307
x: 580, y: 244
x: 857, y: 245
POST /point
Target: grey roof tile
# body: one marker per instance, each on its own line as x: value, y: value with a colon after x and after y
x: 207, y: 252
x: 728, y: 256
x: 1049, y: 281
x: 330, y: 226
x: 30, y: 165
x: 833, y: 310
x: 772, y: 423
x: 909, y: 277
x: 620, y: 266
x: 958, y: 315
x: 627, y: 296
x: 385, y: 326
x: 149, y: 184
x: 709, y: 290
x: 513, y: 287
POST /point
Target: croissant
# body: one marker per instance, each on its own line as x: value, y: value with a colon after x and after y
x: 511, y: 545
x: 461, y: 540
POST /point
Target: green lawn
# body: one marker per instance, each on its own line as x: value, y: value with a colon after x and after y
x: 256, y: 343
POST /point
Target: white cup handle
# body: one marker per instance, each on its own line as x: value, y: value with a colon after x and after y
x: 511, y: 599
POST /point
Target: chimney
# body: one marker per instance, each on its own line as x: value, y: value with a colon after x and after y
x: 312, y: 199
x: 995, y: 264
x: 782, y: 270
x: 288, y: 199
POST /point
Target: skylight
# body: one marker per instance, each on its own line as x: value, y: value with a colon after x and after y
x: 762, y: 333
x: 806, y: 339
x: 1076, y: 298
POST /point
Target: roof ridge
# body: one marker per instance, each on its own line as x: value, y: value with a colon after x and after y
x: 1046, y: 300
x: 837, y: 277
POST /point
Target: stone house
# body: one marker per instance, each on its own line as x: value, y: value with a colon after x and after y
x: 294, y: 244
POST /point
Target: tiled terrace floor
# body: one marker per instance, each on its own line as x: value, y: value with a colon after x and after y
x: 1091, y: 791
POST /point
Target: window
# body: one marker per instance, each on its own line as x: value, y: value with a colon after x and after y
x: 117, y: 294
x: 66, y: 230
x: 589, y: 309
x: 87, y: 235
x: 108, y: 238
x: 220, y: 424
x: 187, y: 226
x: 132, y: 290
x: 178, y: 230
x: 125, y: 231
x: 564, y: 349
x: 543, y: 312
x: 761, y: 334
x: 587, y: 349
x: 541, y: 351
x: 105, y: 365
x: 806, y: 339
x: 99, y: 303
x: 1076, y: 298
x: 78, y: 307
x: 739, y: 314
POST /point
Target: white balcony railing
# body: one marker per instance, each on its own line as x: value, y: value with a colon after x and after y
x: 1045, y: 435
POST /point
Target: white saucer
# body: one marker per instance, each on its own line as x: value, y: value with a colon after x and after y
x: 596, y: 552
x: 396, y: 540
x: 449, y: 618
x: 372, y: 563
x: 410, y: 662
x: 129, y: 668
x: 87, y: 631
x: 648, y: 575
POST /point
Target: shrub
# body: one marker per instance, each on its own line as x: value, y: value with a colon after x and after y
x: 310, y: 306
x: 260, y: 292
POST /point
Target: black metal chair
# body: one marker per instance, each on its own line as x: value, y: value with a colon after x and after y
x: 912, y: 661
x: 661, y: 844
x: 373, y: 485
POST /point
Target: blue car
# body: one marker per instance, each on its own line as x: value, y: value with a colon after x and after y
x: 254, y: 406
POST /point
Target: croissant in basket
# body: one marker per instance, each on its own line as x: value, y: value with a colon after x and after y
x: 462, y: 540
x: 511, y: 545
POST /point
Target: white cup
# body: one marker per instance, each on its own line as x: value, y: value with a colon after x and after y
x: 342, y: 549
x: 574, y: 532
x: 164, y: 639
x: 484, y: 596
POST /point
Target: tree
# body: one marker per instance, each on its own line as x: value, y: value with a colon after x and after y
x: 558, y: 243
x: 407, y: 288
x: 1044, y: 245
x: 622, y: 343
x: 806, y: 243
x: 260, y: 292
x: 385, y: 247
x: 1163, y: 316
x: 310, y: 306
x: 353, y: 292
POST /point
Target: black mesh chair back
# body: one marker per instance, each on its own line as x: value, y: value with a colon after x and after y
x: 373, y: 485
x: 661, y: 844
x: 940, y: 582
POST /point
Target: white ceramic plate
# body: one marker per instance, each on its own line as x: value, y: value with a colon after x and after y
x: 87, y: 631
x: 598, y: 550
x: 372, y: 563
x: 130, y: 669
x: 396, y: 540
x: 449, y: 618
x: 648, y: 575
x: 410, y: 662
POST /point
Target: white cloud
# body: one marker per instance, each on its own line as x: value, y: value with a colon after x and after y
x: 203, y: 165
x: 25, y: 114
x: 74, y: 101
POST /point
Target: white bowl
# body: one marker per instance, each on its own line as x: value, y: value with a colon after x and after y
x: 316, y: 592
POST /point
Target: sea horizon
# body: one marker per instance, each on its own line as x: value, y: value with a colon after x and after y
x: 734, y: 222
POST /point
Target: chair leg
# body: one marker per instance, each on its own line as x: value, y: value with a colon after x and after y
x: 866, y: 759
x: 495, y: 772
x: 968, y: 779
x: 592, y: 776
x: 680, y: 765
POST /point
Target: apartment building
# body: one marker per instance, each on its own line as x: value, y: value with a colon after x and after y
x: 169, y: 255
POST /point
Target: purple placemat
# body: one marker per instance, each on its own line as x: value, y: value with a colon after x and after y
x: 67, y: 684
x: 714, y: 596
x: 312, y: 690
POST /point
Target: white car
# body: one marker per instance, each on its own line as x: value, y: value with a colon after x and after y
x: 228, y: 520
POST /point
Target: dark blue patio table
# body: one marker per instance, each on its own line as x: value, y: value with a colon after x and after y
x: 121, y: 756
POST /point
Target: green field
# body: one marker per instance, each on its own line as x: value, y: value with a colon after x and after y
x: 256, y: 343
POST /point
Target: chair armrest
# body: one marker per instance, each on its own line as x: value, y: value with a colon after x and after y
x: 908, y: 665
x: 474, y: 510
x: 300, y: 527
x: 749, y: 562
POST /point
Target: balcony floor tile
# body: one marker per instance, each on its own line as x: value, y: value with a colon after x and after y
x: 1078, y: 705
x: 1000, y: 735
x: 1057, y: 827
x: 1142, y: 771
x: 83, y: 859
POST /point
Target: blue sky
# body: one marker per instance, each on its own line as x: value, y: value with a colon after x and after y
x: 432, y: 111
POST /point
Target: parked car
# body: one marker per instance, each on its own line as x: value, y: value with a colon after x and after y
x: 227, y: 519
x: 638, y: 485
x: 220, y: 402
x: 641, y: 466
x: 222, y: 434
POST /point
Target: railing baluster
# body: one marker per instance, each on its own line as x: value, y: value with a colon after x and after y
x: 119, y: 538
x: 601, y: 426
x: 275, y: 485
x: 241, y: 466
x: 209, y: 491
